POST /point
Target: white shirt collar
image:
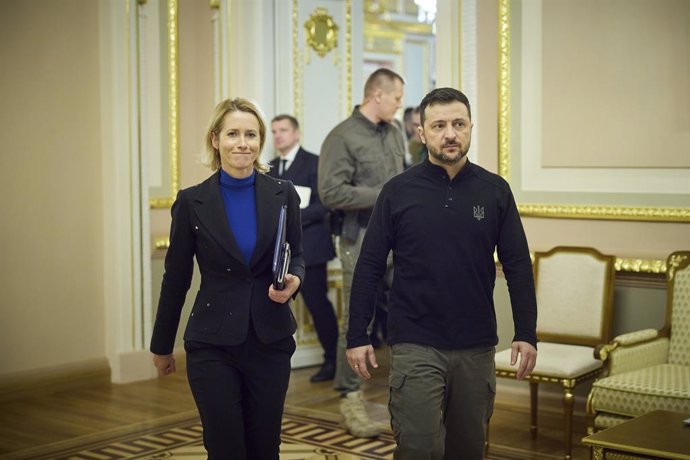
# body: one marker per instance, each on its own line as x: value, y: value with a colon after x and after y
x: 290, y: 157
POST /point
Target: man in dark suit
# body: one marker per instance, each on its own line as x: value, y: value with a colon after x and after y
x: 300, y: 167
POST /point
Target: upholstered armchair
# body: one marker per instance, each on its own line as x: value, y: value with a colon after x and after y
x: 648, y: 370
x: 574, y: 287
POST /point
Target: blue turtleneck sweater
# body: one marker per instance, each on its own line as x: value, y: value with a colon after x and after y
x: 240, y: 209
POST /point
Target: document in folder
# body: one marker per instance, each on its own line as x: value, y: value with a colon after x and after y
x: 304, y: 195
x: 281, y: 254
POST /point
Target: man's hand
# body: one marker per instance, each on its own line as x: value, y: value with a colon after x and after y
x: 164, y: 363
x: 292, y: 283
x: 357, y: 359
x: 528, y: 358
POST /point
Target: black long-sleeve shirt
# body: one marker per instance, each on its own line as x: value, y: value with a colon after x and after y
x: 443, y: 234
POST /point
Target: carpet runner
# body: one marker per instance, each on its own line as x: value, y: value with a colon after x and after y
x: 306, y: 435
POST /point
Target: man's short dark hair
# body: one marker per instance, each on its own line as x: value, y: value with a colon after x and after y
x: 380, y: 78
x: 285, y: 116
x: 443, y: 96
x: 407, y: 114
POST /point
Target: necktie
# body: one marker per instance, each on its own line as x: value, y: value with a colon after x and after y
x: 282, y: 167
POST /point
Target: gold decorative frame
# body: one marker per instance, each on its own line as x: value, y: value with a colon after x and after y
x: 173, y: 109
x: 297, y: 95
x: 675, y: 260
x: 563, y: 211
x: 321, y: 32
x: 297, y: 69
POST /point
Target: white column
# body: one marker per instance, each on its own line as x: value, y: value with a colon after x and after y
x: 123, y: 269
x: 448, y: 43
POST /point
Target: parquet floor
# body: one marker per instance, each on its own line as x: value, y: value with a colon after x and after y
x: 63, y: 416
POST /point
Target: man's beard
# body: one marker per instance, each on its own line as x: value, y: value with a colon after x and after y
x: 447, y: 159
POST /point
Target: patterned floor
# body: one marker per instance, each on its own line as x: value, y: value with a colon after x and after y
x: 304, y: 438
x: 306, y: 435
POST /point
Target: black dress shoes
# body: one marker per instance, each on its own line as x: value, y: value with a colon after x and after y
x: 327, y: 372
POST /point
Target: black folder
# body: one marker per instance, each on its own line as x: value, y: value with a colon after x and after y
x: 281, y: 254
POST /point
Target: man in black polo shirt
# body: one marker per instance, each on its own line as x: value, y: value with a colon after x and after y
x: 443, y: 219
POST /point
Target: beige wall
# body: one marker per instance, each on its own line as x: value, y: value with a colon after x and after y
x: 626, y: 239
x: 51, y: 286
x: 618, y: 95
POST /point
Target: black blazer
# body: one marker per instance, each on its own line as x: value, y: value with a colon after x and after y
x: 317, y: 241
x: 231, y: 292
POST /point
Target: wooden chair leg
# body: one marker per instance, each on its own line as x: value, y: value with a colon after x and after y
x: 533, y: 398
x: 568, y: 403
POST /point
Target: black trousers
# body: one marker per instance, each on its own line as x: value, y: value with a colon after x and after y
x: 314, y: 292
x: 240, y: 393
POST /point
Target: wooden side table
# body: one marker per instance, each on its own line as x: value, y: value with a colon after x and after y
x: 658, y: 435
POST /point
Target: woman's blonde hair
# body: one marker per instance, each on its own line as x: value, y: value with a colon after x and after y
x: 211, y: 156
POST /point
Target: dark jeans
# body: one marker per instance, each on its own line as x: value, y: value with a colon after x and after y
x: 240, y: 393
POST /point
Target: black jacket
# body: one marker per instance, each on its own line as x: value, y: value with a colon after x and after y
x: 231, y: 292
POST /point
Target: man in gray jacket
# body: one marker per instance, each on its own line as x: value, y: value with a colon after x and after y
x: 357, y: 157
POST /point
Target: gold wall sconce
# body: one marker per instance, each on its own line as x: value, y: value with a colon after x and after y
x: 322, y: 32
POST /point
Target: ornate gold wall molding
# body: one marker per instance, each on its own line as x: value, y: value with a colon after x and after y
x: 640, y: 265
x: 676, y: 261
x: 173, y: 99
x: 504, y: 89
x: 565, y: 211
x: 348, y: 54
x: 562, y: 211
x: 161, y: 243
x: 400, y: 27
x: 173, y: 108
x: 296, y: 66
x: 378, y: 39
x: 389, y: 36
x: 321, y: 32
x: 298, y: 61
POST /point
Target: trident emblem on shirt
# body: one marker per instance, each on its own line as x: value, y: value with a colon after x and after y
x: 478, y: 212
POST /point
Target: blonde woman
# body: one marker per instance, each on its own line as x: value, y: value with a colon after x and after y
x: 239, y: 335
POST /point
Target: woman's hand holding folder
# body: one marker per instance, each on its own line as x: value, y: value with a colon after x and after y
x: 284, y: 284
x: 292, y: 283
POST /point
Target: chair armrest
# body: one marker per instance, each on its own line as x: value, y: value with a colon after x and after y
x: 631, y: 338
x: 632, y: 355
x: 601, y: 352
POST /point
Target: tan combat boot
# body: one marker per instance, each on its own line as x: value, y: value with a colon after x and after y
x: 355, y: 418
